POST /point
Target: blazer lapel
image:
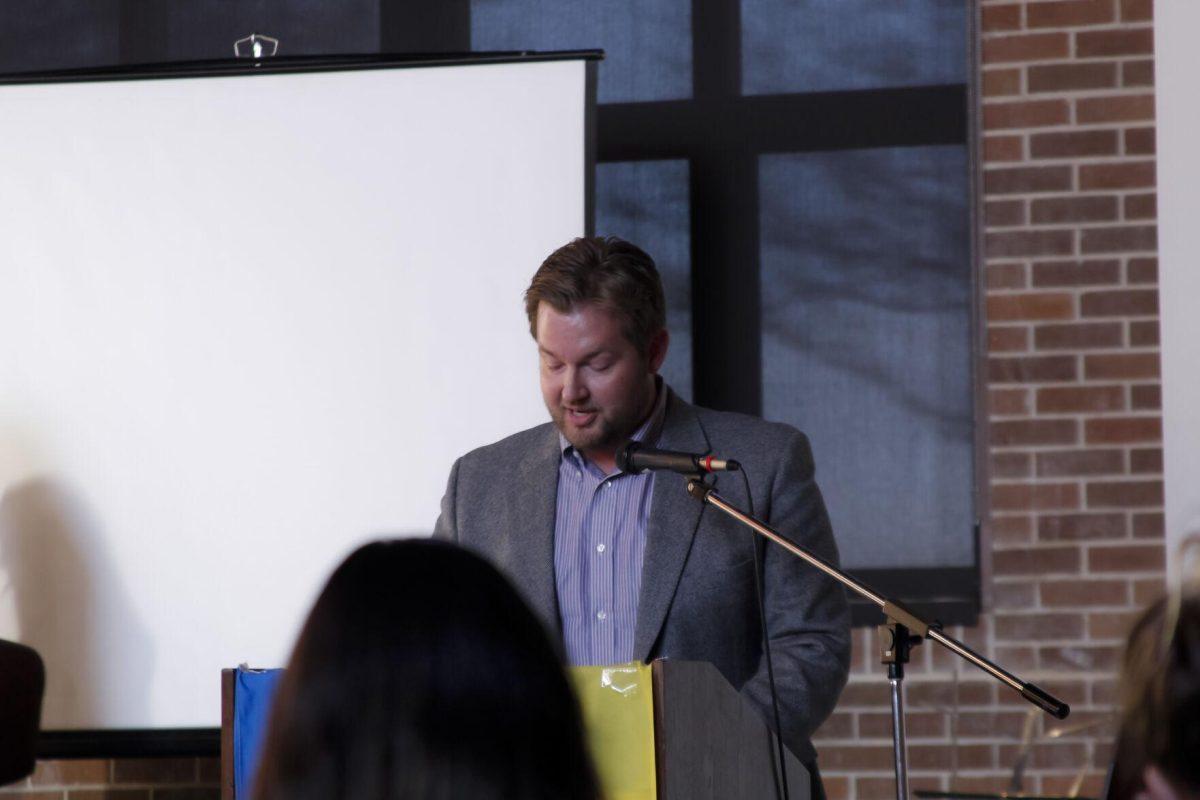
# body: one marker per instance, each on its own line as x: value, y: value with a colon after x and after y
x: 674, y: 515
x: 530, y: 530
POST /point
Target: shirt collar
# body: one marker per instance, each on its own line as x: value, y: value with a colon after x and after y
x: 647, y: 433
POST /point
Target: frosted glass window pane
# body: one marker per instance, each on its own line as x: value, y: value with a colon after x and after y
x: 867, y: 345
x: 825, y: 45
x: 646, y: 202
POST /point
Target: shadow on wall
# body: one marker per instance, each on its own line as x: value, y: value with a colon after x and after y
x: 68, y: 604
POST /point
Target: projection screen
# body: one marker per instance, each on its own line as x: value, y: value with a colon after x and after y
x: 247, y: 323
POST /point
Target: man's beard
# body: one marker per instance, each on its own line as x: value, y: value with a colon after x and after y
x: 604, y: 433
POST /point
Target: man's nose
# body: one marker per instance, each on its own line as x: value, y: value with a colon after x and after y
x: 574, y: 389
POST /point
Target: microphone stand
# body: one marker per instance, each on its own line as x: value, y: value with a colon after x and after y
x: 902, y: 631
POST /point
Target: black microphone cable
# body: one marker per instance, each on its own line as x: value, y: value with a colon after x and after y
x: 762, y: 616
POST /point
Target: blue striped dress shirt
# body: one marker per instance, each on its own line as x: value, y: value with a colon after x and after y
x: 599, y: 546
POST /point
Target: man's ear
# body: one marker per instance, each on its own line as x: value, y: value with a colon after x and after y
x: 656, y: 353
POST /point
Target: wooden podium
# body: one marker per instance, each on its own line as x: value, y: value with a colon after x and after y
x: 693, y: 738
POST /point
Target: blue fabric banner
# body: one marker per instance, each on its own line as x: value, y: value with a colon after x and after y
x: 252, y: 695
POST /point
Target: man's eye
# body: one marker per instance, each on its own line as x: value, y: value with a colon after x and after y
x: 601, y: 366
x: 553, y: 366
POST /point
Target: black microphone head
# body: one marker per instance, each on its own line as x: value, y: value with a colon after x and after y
x: 623, y: 454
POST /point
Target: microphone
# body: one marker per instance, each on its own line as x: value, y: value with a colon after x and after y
x: 636, y: 457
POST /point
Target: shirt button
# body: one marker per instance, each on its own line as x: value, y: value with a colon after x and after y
x: 601, y: 616
x: 599, y: 548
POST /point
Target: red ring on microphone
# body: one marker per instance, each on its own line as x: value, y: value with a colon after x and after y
x: 708, y: 463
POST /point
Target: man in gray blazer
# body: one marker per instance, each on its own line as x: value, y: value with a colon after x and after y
x: 623, y: 566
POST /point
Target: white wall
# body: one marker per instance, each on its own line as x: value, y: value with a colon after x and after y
x: 1178, y: 113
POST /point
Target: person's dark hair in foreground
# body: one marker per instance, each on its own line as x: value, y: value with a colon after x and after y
x: 421, y: 674
x: 1158, y: 747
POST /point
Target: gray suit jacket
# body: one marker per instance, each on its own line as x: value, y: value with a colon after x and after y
x: 697, y: 599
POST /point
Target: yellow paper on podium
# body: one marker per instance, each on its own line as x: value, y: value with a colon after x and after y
x: 618, y: 715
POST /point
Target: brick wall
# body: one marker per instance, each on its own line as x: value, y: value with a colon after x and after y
x: 1075, y: 540
x: 121, y: 779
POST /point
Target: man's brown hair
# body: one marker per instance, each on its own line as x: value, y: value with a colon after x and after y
x: 610, y: 272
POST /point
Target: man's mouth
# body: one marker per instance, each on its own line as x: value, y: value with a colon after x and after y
x: 580, y: 417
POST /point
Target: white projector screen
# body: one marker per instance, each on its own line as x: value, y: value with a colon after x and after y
x: 247, y: 323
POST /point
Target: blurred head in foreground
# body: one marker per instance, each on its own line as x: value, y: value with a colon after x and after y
x: 1158, y: 750
x: 421, y: 674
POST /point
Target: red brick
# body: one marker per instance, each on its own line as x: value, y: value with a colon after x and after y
x: 1148, y: 525
x: 1032, y: 369
x: 869, y: 787
x: 1059, y: 210
x: 1020, y: 658
x: 1137, y: 73
x: 1007, y: 338
x: 1008, y: 401
x: 106, y: 794
x: 1003, y: 148
x: 154, y: 770
x: 941, y: 694
x: 1119, y: 42
x: 1084, y: 593
x: 1013, y: 596
x: 1070, y: 13
x: 1076, y: 273
x: 837, y: 787
x: 1147, y: 396
x: 1068, y: 77
x: 1147, y: 590
x: 1048, y: 755
x: 1034, y: 496
x: 1081, y: 527
x: 1140, y: 141
x: 1119, y: 239
x: 1029, y: 243
x: 1040, y: 306
x: 1143, y: 333
x: 1111, y: 625
x: 1000, y: 213
x: 1148, y: 459
x: 1000, y: 82
x: 1011, y: 530
x: 943, y: 756
x: 1123, y: 175
x: 1011, y: 465
x: 1119, y: 303
x: 1024, y: 180
x: 1000, y: 18
x: 864, y: 694
x: 1114, y: 108
x: 1124, y: 494
x: 1141, y: 206
x: 839, y: 725
x: 1063, y: 463
x: 1137, y: 10
x: 1025, y: 114
x: 1026, y: 47
x: 1074, y: 399
x: 1142, y: 270
x: 855, y: 757
x: 1040, y: 561
x: 1122, y: 430
x: 1005, y: 276
x: 1085, y: 658
x: 1127, y: 558
x: 69, y: 773
x: 1033, y: 432
x: 1078, y: 336
x: 1039, y: 627
x: 1121, y: 366
x: 1067, y: 144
